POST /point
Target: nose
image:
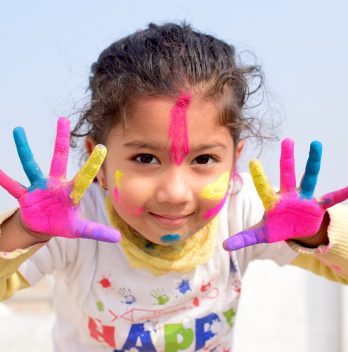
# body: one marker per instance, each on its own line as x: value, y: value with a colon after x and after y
x: 174, y: 187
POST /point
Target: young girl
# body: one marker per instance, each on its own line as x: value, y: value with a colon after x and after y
x: 167, y: 102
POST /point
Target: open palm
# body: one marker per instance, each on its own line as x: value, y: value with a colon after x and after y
x: 291, y: 213
x: 50, y: 205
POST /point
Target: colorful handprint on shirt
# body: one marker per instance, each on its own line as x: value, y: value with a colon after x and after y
x: 291, y: 213
x: 50, y: 205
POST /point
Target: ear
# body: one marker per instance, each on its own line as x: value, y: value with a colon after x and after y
x: 239, y: 150
x: 90, y: 143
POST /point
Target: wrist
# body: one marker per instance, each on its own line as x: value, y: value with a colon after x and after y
x: 14, y: 235
x: 37, y: 237
x: 320, y: 238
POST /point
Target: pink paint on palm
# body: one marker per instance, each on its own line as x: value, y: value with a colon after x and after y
x: 51, y: 211
x: 210, y: 213
x: 293, y: 217
x: 178, y: 133
x: 287, y: 166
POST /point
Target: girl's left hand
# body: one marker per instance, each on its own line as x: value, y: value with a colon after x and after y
x: 291, y: 213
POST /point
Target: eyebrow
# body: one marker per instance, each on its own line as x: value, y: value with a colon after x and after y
x: 200, y: 147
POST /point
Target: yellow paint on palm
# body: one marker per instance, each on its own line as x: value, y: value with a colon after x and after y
x: 118, y: 175
x: 87, y: 173
x: 266, y: 192
x: 217, y: 189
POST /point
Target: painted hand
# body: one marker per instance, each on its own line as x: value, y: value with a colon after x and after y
x: 50, y: 206
x: 291, y: 213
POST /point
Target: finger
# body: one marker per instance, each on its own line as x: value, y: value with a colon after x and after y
x: 87, y: 173
x: 61, y: 149
x: 332, y: 198
x: 31, y: 168
x: 244, y: 239
x: 310, y: 176
x: 264, y: 189
x: 94, y: 231
x: 287, y: 167
x: 11, y: 186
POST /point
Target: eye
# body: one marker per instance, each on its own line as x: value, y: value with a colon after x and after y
x: 146, y: 159
x: 204, y: 159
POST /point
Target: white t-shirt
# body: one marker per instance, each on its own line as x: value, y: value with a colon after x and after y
x: 103, y: 304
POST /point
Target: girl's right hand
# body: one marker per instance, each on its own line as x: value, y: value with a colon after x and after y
x: 50, y: 206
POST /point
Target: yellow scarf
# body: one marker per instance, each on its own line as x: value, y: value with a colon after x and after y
x: 160, y: 260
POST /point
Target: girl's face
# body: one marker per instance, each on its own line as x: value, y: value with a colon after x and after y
x: 168, y: 175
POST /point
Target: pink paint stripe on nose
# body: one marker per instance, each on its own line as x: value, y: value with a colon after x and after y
x: 178, y: 129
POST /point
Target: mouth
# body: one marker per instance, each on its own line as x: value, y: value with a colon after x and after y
x: 170, y: 220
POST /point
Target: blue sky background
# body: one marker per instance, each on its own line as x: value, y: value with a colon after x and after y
x: 47, y: 49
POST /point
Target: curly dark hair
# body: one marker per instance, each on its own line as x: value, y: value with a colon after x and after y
x: 164, y: 60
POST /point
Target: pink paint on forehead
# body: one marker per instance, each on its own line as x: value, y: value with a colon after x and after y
x: 178, y: 129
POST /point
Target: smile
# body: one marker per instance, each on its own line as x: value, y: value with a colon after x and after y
x: 170, y: 220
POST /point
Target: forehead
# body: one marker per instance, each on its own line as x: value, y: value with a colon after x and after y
x: 150, y: 117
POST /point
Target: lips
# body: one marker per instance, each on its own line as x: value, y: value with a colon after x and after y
x: 170, y: 220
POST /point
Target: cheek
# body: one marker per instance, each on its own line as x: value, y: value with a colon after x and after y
x: 213, y: 211
x: 217, y: 192
x: 128, y: 195
x: 217, y: 189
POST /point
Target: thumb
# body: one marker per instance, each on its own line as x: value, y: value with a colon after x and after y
x: 95, y: 231
x: 245, y: 238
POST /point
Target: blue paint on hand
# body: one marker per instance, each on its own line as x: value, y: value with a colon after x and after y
x: 310, y: 176
x: 31, y: 168
x: 170, y: 238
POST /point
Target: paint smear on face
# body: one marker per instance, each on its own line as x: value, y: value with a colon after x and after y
x: 215, y: 210
x: 134, y: 211
x: 178, y: 129
x: 170, y: 238
x: 118, y: 175
x: 217, y: 189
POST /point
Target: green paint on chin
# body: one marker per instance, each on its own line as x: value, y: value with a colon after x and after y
x: 170, y: 238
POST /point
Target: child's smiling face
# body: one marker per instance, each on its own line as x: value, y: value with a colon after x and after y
x: 165, y: 201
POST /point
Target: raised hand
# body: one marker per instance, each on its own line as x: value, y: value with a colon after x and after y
x: 50, y: 206
x: 291, y: 213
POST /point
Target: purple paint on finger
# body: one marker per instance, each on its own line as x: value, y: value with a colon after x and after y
x: 178, y: 133
x: 244, y: 239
